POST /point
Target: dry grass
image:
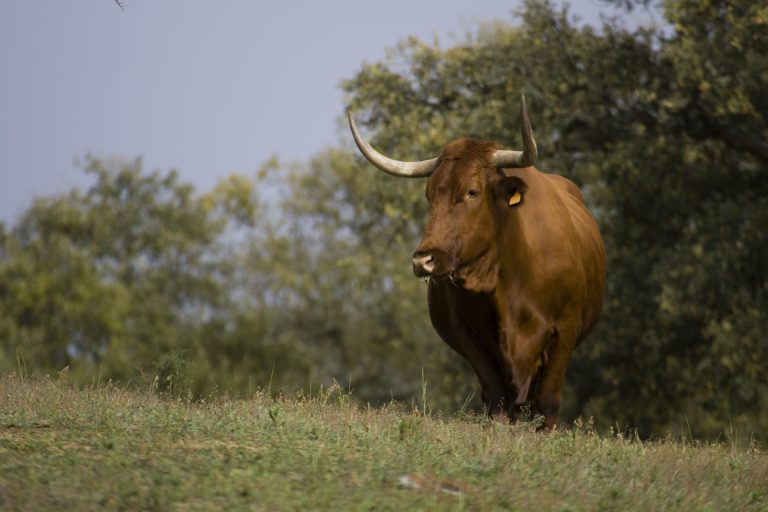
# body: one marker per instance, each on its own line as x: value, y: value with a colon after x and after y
x: 109, y: 448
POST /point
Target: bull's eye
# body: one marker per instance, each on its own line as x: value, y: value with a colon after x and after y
x: 471, y: 194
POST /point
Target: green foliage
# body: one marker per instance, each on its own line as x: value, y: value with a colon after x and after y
x: 109, y: 279
x: 106, y: 448
x: 171, y: 374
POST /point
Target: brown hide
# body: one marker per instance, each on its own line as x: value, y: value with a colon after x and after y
x: 517, y: 269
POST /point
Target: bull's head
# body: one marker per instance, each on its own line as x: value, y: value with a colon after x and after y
x: 469, y: 196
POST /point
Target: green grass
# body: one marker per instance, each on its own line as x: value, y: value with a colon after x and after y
x: 107, y: 448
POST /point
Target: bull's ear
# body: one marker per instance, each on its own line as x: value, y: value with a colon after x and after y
x: 511, y: 190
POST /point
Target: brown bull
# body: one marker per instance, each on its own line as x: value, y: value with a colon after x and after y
x: 516, y: 267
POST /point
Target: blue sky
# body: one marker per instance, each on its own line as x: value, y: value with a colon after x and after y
x: 208, y: 88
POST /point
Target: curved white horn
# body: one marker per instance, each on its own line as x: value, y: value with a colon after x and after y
x: 394, y: 167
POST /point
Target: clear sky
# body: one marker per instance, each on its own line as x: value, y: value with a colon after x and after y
x: 205, y: 87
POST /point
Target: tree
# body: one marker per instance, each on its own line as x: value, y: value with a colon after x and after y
x: 112, y: 277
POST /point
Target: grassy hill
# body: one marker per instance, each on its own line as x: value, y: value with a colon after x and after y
x: 107, y: 448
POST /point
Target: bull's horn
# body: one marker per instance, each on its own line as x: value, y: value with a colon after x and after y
x: 389, y: 166
x: 506, y: 158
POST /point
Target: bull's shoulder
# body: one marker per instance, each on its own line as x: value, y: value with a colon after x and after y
x: 560, y: 229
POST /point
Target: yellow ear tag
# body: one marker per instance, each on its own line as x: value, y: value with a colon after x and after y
x: 516, y: 198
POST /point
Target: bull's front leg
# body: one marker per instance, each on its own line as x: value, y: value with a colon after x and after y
x: 549, y: 386
x: 526, y: 352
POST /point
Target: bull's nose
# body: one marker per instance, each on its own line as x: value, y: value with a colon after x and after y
x: 423, y: 264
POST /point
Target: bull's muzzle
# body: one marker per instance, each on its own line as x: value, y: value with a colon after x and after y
x: 423, y: 264
x: 434, y: 263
